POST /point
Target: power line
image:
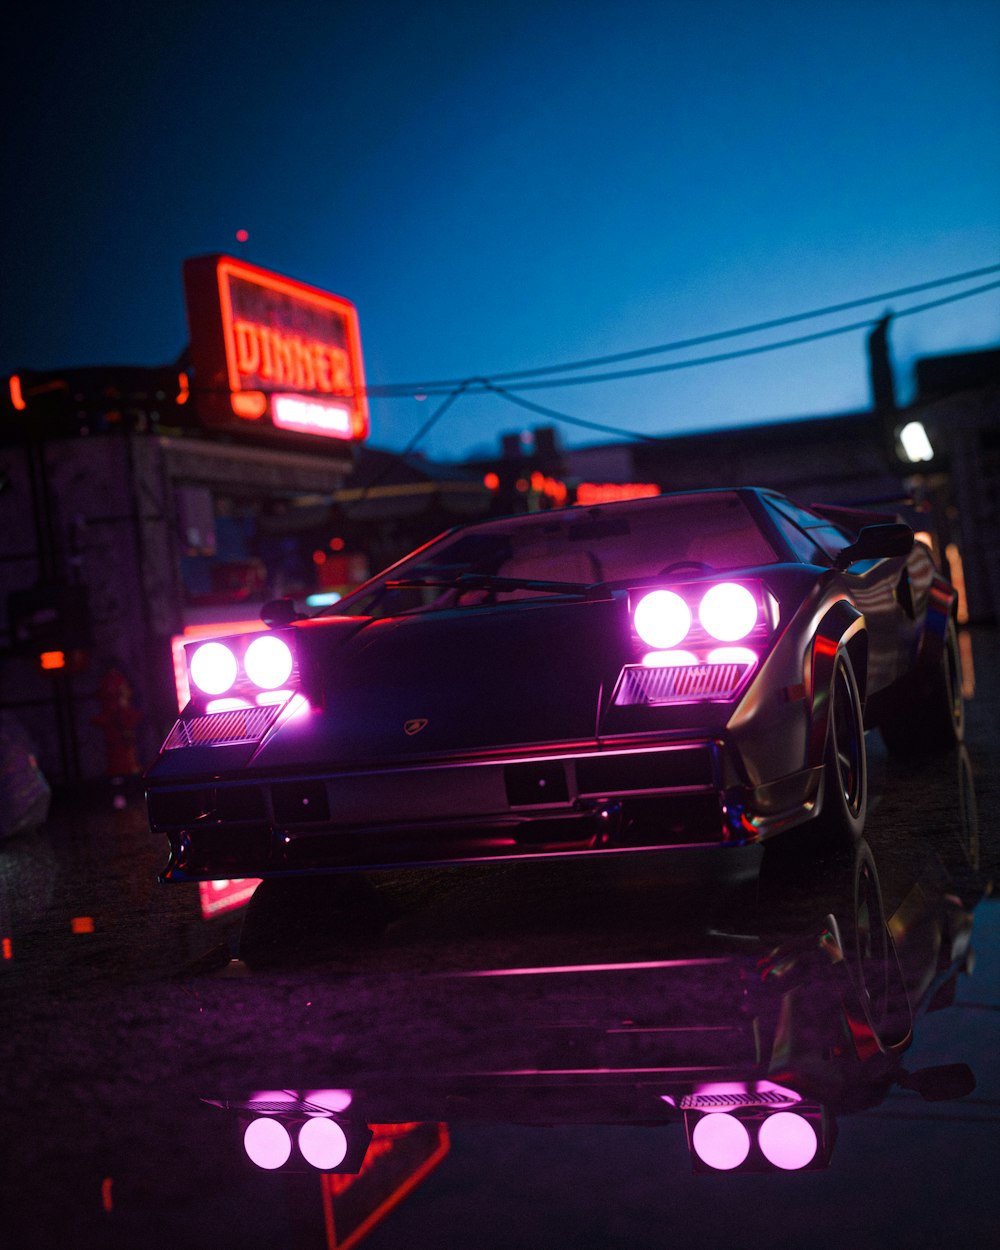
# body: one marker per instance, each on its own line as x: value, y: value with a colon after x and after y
x: 444, y: 386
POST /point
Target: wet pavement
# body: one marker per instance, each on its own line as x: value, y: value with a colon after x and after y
x: 522, y: 1038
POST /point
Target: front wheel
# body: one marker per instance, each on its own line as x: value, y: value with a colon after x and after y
x: 841, y: 819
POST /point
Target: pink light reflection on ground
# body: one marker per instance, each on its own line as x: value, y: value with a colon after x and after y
x: 323, y: 1143
x: 721, y: 1141
x: 267, y: 1143
x: 787, y: 1140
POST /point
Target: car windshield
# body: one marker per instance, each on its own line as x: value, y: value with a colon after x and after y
x: 570, y: 551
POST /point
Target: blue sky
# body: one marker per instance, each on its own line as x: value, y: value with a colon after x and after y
x: 503, y: 187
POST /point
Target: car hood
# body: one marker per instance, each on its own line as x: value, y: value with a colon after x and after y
x: 453, y: 682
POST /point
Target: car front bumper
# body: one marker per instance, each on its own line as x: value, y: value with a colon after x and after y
x: 599, y: 798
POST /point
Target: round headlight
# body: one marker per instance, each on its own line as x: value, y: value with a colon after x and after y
x: 268, y: 662
x: 728, y: 612
x: 787, y: 1140
x: 662, y: 619
x: 267, y: 1143
x: 721, y: 1141
x: 323, y: 1143
x: 213, y: 668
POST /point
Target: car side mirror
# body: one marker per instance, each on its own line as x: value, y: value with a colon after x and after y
x: 277, y: 613
x: 875, y: 542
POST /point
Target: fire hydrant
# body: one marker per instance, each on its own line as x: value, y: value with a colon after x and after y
x: 118, y: 718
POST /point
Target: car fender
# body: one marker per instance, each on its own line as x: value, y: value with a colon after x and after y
x: 842, y: 627
x: 942, y: 605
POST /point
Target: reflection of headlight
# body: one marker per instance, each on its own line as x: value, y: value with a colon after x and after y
x: 214, y: 668
x: 323, y: 1143
x: 267, y: 1143
x: 268, y: 662
x: 721, y: 1141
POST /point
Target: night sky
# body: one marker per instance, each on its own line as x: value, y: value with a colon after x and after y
x: 509, y: 186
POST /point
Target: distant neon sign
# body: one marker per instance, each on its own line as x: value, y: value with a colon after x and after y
x: 589, y: 493
x: 273, y: 354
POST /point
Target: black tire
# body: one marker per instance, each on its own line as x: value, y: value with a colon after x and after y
x: 930, y: 719
x: 841, y: 819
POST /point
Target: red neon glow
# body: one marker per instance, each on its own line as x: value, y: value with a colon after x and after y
x: 107, y: 1201
x: 268, y: 662
x: 267, y: 1143
x: 614, y: 492
x: 214, y: 668
x: 8, y: 948
x: 311, y: 341
x: 16, y: 397
x: 721, y: 1141
x: 323, y: 1143
x: 82, y: 924
x: 492, y: 481
x: 50, y: 660
x: 221, y: 896
x: 661, y: 619
x: 183, y: 388
x: 787, y: 1140
x: 728, y: 612
x: 242, y: 236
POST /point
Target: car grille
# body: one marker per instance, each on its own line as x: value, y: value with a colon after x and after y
x: 248, y: 724
x: 687, y: 683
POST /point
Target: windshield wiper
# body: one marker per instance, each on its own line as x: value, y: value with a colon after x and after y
x: 490, y: 581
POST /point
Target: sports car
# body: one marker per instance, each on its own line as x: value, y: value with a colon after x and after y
x: 692, y: 670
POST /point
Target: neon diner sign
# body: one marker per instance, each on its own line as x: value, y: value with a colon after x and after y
x: 272, y: 353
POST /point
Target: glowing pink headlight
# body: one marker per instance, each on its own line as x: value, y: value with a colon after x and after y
x: 213, y: 668
x: 268, y: 662
x: 661, y: 619
x: 728, y: 612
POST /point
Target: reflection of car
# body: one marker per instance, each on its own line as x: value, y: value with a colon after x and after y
x: 691, y: 669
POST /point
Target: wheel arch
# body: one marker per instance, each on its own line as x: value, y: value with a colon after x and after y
x: 842, y: 628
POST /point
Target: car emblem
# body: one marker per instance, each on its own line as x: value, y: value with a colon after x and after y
x: 414, y: 726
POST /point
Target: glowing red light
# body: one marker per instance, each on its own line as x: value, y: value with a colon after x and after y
x: 492, y: 481
x: 337, y: 544
x: 242, y: 236
x: 50, y: 660
x: 16, y: 396
x: 662, y: 619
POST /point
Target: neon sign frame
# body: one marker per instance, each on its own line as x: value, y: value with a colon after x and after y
x: 260, y: 340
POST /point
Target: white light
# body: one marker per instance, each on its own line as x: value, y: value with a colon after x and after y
x: 721, y: 1141
x: 271, y: 698
x: 225, y: 705
x: 213, y: 668
x: 323, y: 1143
x: 731, y: 655
x: 324, y: 599
x: 669, y: 659
x: 268, y: 662
x: 317, y: 416
x: 267, y: 1143
x: 915, y: 443
x: 728, y: 612
x: 662, y: 619
x: 787, y: 1140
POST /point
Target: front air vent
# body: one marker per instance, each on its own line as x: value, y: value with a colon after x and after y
x: 683, y: 683
x: 245, y: 724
